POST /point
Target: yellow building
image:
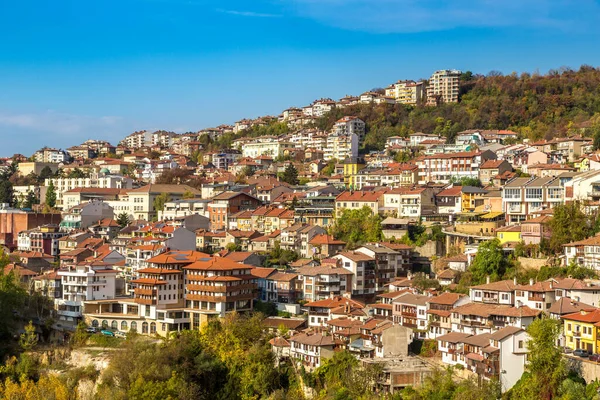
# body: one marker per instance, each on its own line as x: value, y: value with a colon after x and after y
x: 471, y: 197
x: 582, y: 165
x: 351, y: 168
x: 509, y: 234
x: 581, y: 328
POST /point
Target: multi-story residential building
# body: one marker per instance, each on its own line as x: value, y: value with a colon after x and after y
x: 476, y: 318
x: 331, y: 307
x: 410, y: 310
x: 297, y: 237
x: 265, y: 146
x: 580, y: 330
x: 227, y: 203
x: 80, y: 283
x: 534, y: 230
x: 410, y: 202
x: 50, y: 155
x: 85, y: 215
x: 277, y: 287
x: 439, y: 309
x: 363, y: 268
x: 311, y: 349
x: 140, y: 201
x: 179, y: 209
x: 63, y: 185
x: 45, y: 239
x: 356, y: 200
x: 441, y: 168
x: 226, y: 158
x: 340, y: 146
x: 489, y: 169
x: 583, y: 186
x: 501, y: 292
x: 390, y: 263
x: 443, y: 87
x: 48, y: 284
x: 393, y: 175
x: 350, y: 125
x: 137, y: 140
x: 584, y: 252
x: 407, y: 92
x: 325, y: 246
x: 323, y: 282
x: 81, y: 152
x: 501, y: 355
x: 524, y: 196
x: 217, y: 286
x: 536, y: 295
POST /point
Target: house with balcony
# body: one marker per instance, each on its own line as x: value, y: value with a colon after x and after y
x: 310, y: 349
x: 581, y: 330
x: 584, y: 252
x: 536, y: 295
x: 324, y: 246
x: 524, y: 196
x: 477, y: 318
x: 389, y: 263
x: 534, y: 230
x: 578, y: 290
x: 362, y: 268
x: 321, y: 311
x: 80, y: 283
x: 501, y: 292
x: 410, y: 310
x: 439, y: 310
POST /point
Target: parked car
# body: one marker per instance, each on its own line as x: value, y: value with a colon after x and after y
x: 581, y: 353
x: 567, y: 350
x: 594, y: 357
x: 121, y: 335
x: 91, y: 329
x: 106, y: 332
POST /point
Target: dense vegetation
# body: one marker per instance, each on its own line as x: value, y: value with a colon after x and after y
x: 560, y: 103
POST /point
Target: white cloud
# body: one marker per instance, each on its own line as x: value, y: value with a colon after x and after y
x: 406, y: 16
x: 58, y: 123
x: 248, y: 13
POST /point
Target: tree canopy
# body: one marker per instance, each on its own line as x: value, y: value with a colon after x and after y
x: 358, y: 226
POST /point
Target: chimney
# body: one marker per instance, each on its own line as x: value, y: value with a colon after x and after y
x: 530, y: 281
x: 515, y: 280
x: 487, y: 279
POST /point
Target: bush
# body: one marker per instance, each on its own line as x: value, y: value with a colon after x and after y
x: 429, y: 348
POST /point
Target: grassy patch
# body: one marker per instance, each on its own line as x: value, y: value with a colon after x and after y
x: 104, y: 341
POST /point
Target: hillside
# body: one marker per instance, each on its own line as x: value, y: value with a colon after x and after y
x: 559, y: 103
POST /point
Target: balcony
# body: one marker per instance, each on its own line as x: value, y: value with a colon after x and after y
x: 536, y: 298
x: 147, y: 302
x: 577, y: 333
x: 492, y: 300
x: 145, y: 292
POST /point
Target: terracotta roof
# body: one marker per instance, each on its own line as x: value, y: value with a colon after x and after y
x: 325, y: 239
x: 217, y: 264
x: 590, y: 316
x: 178, y: 257
x: 453, y: 337
x: 334, y: 302
x: 283, y: 276
x: 505, y: 332
x: 313, y: 339
x: 446, y: 298
x: 544, y: 219
x: 447, y: 274
x: 413, y: 299
x: 491, y: 164
x: 279, y: 342
x: 163, y: 188
x: 361, y: 196
x: 480, y: 340
x: 500, y: 286
x: 355, y: 256
x: 260, y: 272
x: 565, y: 305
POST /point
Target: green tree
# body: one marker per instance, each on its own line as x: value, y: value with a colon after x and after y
x: 160, y: 201
x: 547, y: 373
x: 290, y: 175
x: 188, y: 194
x: 569, y: 224
x: 6, y: 192
x: 46, y: 173
x: 489, y: 261
x: 29, y: 339
x: 233, y: 247
x: 30, y: 200
x: 51, y: 195
x: 358, y: 226
x: 123, y: 219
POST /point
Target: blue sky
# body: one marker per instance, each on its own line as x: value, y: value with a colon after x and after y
x: 71, y: 70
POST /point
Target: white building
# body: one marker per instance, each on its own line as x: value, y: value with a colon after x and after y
x: 350, y: 125
x: 85, y: 215
x: 62, y: 185
x: 340, y: 147
x: 81, y: 283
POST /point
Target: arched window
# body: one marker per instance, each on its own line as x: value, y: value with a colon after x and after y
x: 133, y: 326
x: 124, y: 326
x: 105, y: 324
x: 153, y: 327
x: 114, y: 325
x: 95, y: 323
x: 145, y: 327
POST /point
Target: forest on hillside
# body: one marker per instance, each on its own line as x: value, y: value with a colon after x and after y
x: 560, y: 103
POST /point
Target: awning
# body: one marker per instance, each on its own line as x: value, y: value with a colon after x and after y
x: 492, y: 215
x: 475, y: 356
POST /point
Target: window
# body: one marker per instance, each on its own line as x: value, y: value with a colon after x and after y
x: 124, y: 325
x: 114, y: 325
x: 145, y: 327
